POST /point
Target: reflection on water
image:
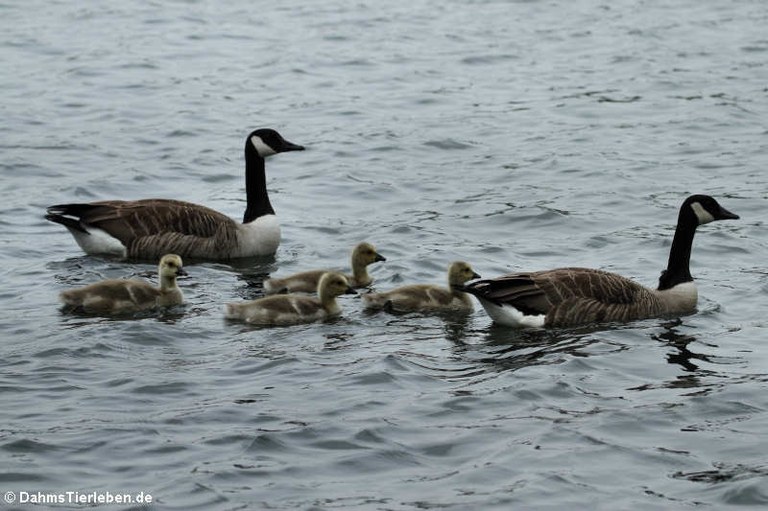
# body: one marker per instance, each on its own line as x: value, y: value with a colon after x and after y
x: 683, y: 356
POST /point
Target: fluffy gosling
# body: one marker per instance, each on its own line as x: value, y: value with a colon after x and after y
x: 363, y: 255
x: 125, y: 296
x: 293, y: 309
x: 426, y: 297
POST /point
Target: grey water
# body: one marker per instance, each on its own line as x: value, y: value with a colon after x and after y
x: 516, y: 135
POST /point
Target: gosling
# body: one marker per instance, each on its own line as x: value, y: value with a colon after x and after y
x: 126, y: 296
x: 363, y: 255
x: 425, y: 297
x: 292, y: 309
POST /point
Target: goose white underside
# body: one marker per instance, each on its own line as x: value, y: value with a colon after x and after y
x: 99, y: 242
x: 260, y: 237
x: 509, y: 316
x: 681, y: 298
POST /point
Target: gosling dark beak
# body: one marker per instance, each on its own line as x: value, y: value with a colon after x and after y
x: 379, y: 257
x: 475, y: 275
x: 181, y: 272
x: 350, y: 291
x: 724, y: 214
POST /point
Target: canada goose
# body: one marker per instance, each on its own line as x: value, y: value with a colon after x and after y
x: 576, y: 296
x: 293, y: 309
x: 122, y: 296
x: 146, y: 229
x: 426, y: 297
x: 306, y: 281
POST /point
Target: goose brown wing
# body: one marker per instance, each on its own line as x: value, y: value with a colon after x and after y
x: 602, y: 286
x: 540, y: 292
x: 130, y: 220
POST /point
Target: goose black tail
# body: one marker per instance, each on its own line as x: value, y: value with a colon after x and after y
x: 69, y: 223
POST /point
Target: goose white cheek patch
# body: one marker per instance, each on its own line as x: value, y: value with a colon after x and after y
x: 702, y: 214
x: 262, y: 148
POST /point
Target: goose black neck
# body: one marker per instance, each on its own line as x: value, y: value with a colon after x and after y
x: 257, y: 199
x: 678, y: 267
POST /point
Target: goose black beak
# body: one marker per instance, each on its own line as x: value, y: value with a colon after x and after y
x: 379, y: 257
x: 350, y: 291
x: 181, y: 272
x: 290, y: 146
x: 724, y: 214
x: 475, y: 275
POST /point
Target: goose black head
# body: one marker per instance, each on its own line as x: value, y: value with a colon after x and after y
x: 706, y: 209
x: 267, y: 142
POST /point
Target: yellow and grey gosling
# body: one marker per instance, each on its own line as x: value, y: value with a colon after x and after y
x: 566, y: 297
x: 292, y: 309
x: 425, y: 297
x: 124, y: 296
x: 306, y: 281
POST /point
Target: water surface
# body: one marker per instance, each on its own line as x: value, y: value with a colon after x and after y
x: 514, y: 135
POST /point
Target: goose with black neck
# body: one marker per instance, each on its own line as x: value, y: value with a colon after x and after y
x: 566, y: 297
x: 148, y: 228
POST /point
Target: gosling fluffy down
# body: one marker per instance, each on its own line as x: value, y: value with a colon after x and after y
x: 293, y: 309
x: 363, y: 255
x: 125, y: 296
x: 425, y: 297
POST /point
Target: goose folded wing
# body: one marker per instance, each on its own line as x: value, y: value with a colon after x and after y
x: 129, y: 220
x: 539, y: 292
x: 598, y: 285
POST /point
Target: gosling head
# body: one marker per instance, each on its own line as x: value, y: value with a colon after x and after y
x: 171, y: 266
x: 366, y: 253
x: 334, y: 284
x: 267, y: 142
x: 705, y: 209
x: 460, y: 272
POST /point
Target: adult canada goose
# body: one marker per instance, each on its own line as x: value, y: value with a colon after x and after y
x: 293, y: 309
x: 121, y: 296
x: 577, y: 296
x: 146, y: 229
x: 426, y: 297
x: 306, y: 281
